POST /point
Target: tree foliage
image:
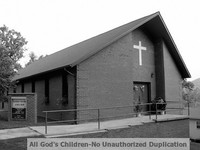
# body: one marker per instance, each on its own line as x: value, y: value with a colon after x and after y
x: 32, y: 58
x: 187, y: 90
x: 11, y: 50
x: 188, y: 85
x: 194, y: 96
x: 191, y: 93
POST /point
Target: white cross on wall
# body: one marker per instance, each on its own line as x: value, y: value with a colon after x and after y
x: 140, y: 48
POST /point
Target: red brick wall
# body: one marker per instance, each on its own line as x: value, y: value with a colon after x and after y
x: 55, y: 93
x: 159, y: 62
x: 173, y: 79
x: 71, y: 97
x: 39, y: 89
x: 106, y: 78
x: 143, y: 73
x: 27, y: 87
x: 19, y: 88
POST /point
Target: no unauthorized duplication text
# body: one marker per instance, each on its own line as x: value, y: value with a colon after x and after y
x: 124, y: 144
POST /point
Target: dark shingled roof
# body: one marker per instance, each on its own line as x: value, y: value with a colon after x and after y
x: 75, y: 54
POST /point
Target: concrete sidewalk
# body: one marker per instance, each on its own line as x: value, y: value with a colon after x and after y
x: 17, y: 132
x: 66, y: 130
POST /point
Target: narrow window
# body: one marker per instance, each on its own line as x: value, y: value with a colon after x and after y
x: 14, y: 90
x: 65, y: 88
x: 2, y: 105
x: 46, y: 91
x: 33, y: 86
x: 22, y: 89
x: 198, y: 124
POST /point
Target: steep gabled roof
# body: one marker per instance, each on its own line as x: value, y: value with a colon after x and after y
x: 75, y: 54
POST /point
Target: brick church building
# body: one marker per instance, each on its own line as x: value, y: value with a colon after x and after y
x: 135, y: 62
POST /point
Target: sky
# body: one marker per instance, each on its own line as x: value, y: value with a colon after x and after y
x: 52, y: 25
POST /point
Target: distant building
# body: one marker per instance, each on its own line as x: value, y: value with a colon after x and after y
x: 133, y: 63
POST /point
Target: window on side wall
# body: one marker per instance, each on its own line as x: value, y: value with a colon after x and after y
x: 198, y: 124
x: 46, y: 91
x: 2, y: 105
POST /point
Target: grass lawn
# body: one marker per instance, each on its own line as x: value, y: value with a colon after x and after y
x: 4, y: 124
x: 16, y: 144
x: 194, y: 146
x: 21, y: 143
x: 17, y: 124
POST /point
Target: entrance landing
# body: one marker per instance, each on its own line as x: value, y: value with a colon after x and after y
x: 92, y: 127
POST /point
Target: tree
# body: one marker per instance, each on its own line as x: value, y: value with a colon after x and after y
x: 33, y: 57
x: 191, y: 94
x: 11, y: 50
x: 188, y: 87
x: 194, y: 96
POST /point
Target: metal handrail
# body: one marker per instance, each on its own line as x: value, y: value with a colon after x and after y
x: 83, y: 109
x: 103, y: 108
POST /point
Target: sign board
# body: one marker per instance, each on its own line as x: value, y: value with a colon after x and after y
x: 18, y: 108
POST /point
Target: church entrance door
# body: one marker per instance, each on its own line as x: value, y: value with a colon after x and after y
x: 141, y: 92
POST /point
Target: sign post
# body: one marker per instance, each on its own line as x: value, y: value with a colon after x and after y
x: 18, y: 108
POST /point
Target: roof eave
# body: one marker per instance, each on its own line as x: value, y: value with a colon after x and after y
x: 115, y: 39
x: 185, y: 71
x: 39, y: 74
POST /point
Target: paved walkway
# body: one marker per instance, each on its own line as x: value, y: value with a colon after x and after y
x: 17, y: 132
x: 64, y: 130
